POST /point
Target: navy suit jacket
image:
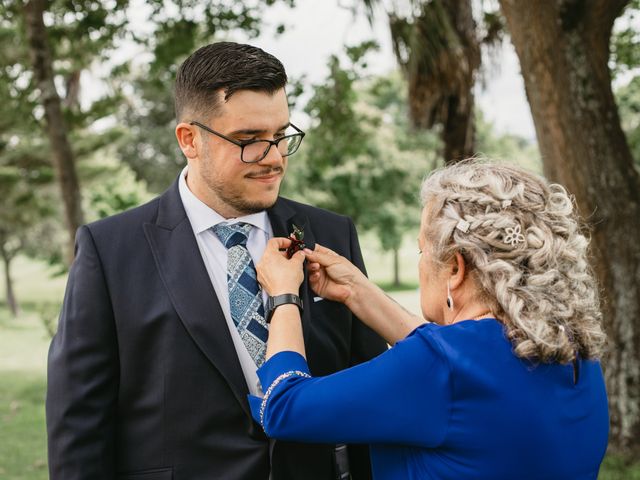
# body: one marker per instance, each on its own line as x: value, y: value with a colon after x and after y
x: 143, y: 378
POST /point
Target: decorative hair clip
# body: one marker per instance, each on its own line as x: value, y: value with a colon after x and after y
x: 463, y: 226
x: 506, y: 203
x: 513, y: 236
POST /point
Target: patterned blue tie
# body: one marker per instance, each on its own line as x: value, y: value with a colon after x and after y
x: 245, y: 296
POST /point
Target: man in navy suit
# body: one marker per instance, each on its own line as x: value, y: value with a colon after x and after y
x: 150, y: 369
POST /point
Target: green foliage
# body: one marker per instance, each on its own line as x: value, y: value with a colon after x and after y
x: 625, y: 42
x: 115, y: 190
x: 628, y: 99
x: 625, y: 61
x: 149, y: 147
x: 507, y: 148
x: 360, y: 157
x: 79, y: 33
x: 618, y: 467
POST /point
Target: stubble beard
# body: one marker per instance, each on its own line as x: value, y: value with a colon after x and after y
x: 235, y: 198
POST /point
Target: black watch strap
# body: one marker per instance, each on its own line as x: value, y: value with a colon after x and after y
x: 274, y: 302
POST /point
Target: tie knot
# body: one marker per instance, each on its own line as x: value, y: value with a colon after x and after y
x: 232, y: 235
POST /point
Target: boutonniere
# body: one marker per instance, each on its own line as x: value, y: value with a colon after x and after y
x: 297, y: 241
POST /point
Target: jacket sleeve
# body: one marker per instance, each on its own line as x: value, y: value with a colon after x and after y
x: 83, y: 374
x: 401, y: 397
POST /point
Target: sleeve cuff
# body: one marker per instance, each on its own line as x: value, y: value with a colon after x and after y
x: 280, y: 363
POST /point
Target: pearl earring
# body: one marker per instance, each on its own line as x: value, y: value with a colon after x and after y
x: 449, y: 298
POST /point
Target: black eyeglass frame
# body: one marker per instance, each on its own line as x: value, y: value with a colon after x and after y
x: 299, y: 133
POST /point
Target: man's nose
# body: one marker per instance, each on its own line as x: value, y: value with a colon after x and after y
x: 273, y: 157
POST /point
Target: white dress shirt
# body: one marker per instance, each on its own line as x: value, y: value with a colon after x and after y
x: 214, y: 254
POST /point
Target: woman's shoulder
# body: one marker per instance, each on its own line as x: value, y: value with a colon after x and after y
x: 466, y: 336
x: 487, y: 329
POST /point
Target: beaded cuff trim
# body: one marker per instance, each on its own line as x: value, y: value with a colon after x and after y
x: 273, y: 385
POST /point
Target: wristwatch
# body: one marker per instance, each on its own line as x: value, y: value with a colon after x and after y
x: 275, y: 302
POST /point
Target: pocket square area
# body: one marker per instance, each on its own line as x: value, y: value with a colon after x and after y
x: 317, y: 299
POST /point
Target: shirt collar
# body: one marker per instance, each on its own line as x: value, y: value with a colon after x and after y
x: 202, y: 217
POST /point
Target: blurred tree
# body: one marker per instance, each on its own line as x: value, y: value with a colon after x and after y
x: 46, y: 46
x: 24, y: 177
x: 438, y: 46
x: 628, y: 99
x: 506, y: 147
x: 625, y: 42
x: 77, y: 31
x: 356, y: 159
x: 625, y: 56
x: 564, y: 51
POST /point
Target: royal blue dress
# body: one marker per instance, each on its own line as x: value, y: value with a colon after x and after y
x: 447, y: 402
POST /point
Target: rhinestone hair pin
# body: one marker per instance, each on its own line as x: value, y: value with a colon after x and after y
x: 513, y: 236
x: 463, y: 226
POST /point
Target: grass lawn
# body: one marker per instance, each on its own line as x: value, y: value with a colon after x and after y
x: 23, y: 451
x: 23, y: 350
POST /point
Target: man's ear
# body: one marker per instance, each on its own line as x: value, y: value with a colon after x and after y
x: 186, y: 135
x: 458, y: 269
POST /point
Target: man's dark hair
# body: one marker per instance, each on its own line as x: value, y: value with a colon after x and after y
x: 226, y: 67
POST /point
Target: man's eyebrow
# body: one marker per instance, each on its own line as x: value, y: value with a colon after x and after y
x: 248, y: 131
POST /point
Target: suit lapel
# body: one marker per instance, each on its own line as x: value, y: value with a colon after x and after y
x: 182, y: 269
x: 283, y: 217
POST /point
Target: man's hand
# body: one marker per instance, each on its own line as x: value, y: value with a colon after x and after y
x: 276, y: 273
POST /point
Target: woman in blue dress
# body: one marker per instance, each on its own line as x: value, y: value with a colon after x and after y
x: 501, y: 378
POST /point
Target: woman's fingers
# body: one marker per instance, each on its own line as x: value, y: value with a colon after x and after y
x: 322, y: 255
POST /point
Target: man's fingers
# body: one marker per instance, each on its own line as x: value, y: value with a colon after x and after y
x: 298, y: 257
x: 277, y: 243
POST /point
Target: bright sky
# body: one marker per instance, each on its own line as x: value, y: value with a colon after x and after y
x: 315, y: 30
x: 318, y: 29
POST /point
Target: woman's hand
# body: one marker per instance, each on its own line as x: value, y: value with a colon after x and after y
x: 335, y: 278
x: 276, y: 273
x: 331, y: 276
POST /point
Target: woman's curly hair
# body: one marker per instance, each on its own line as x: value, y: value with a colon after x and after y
x: 525, y: 249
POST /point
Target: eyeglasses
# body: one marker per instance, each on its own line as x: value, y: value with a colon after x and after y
x: 253, y: 151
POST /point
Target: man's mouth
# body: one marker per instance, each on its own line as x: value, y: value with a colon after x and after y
x: 266, y: 176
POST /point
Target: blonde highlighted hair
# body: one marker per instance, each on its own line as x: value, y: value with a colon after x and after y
x: 526, y: 252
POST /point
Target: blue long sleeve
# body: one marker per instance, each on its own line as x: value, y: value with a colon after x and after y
x: 401, y: 397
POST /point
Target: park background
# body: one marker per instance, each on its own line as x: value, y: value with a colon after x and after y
x: 386, y: 91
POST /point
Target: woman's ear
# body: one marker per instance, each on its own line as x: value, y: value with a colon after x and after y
x: 458, y: 270
x: 185, y: 133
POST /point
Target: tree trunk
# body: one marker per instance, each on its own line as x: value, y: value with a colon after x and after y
x: 57, y: 131
x: 563, y: 49
x: 396, y: 267
x: 439, y: 51
x: 458, y: 134
x: 12, y: 303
